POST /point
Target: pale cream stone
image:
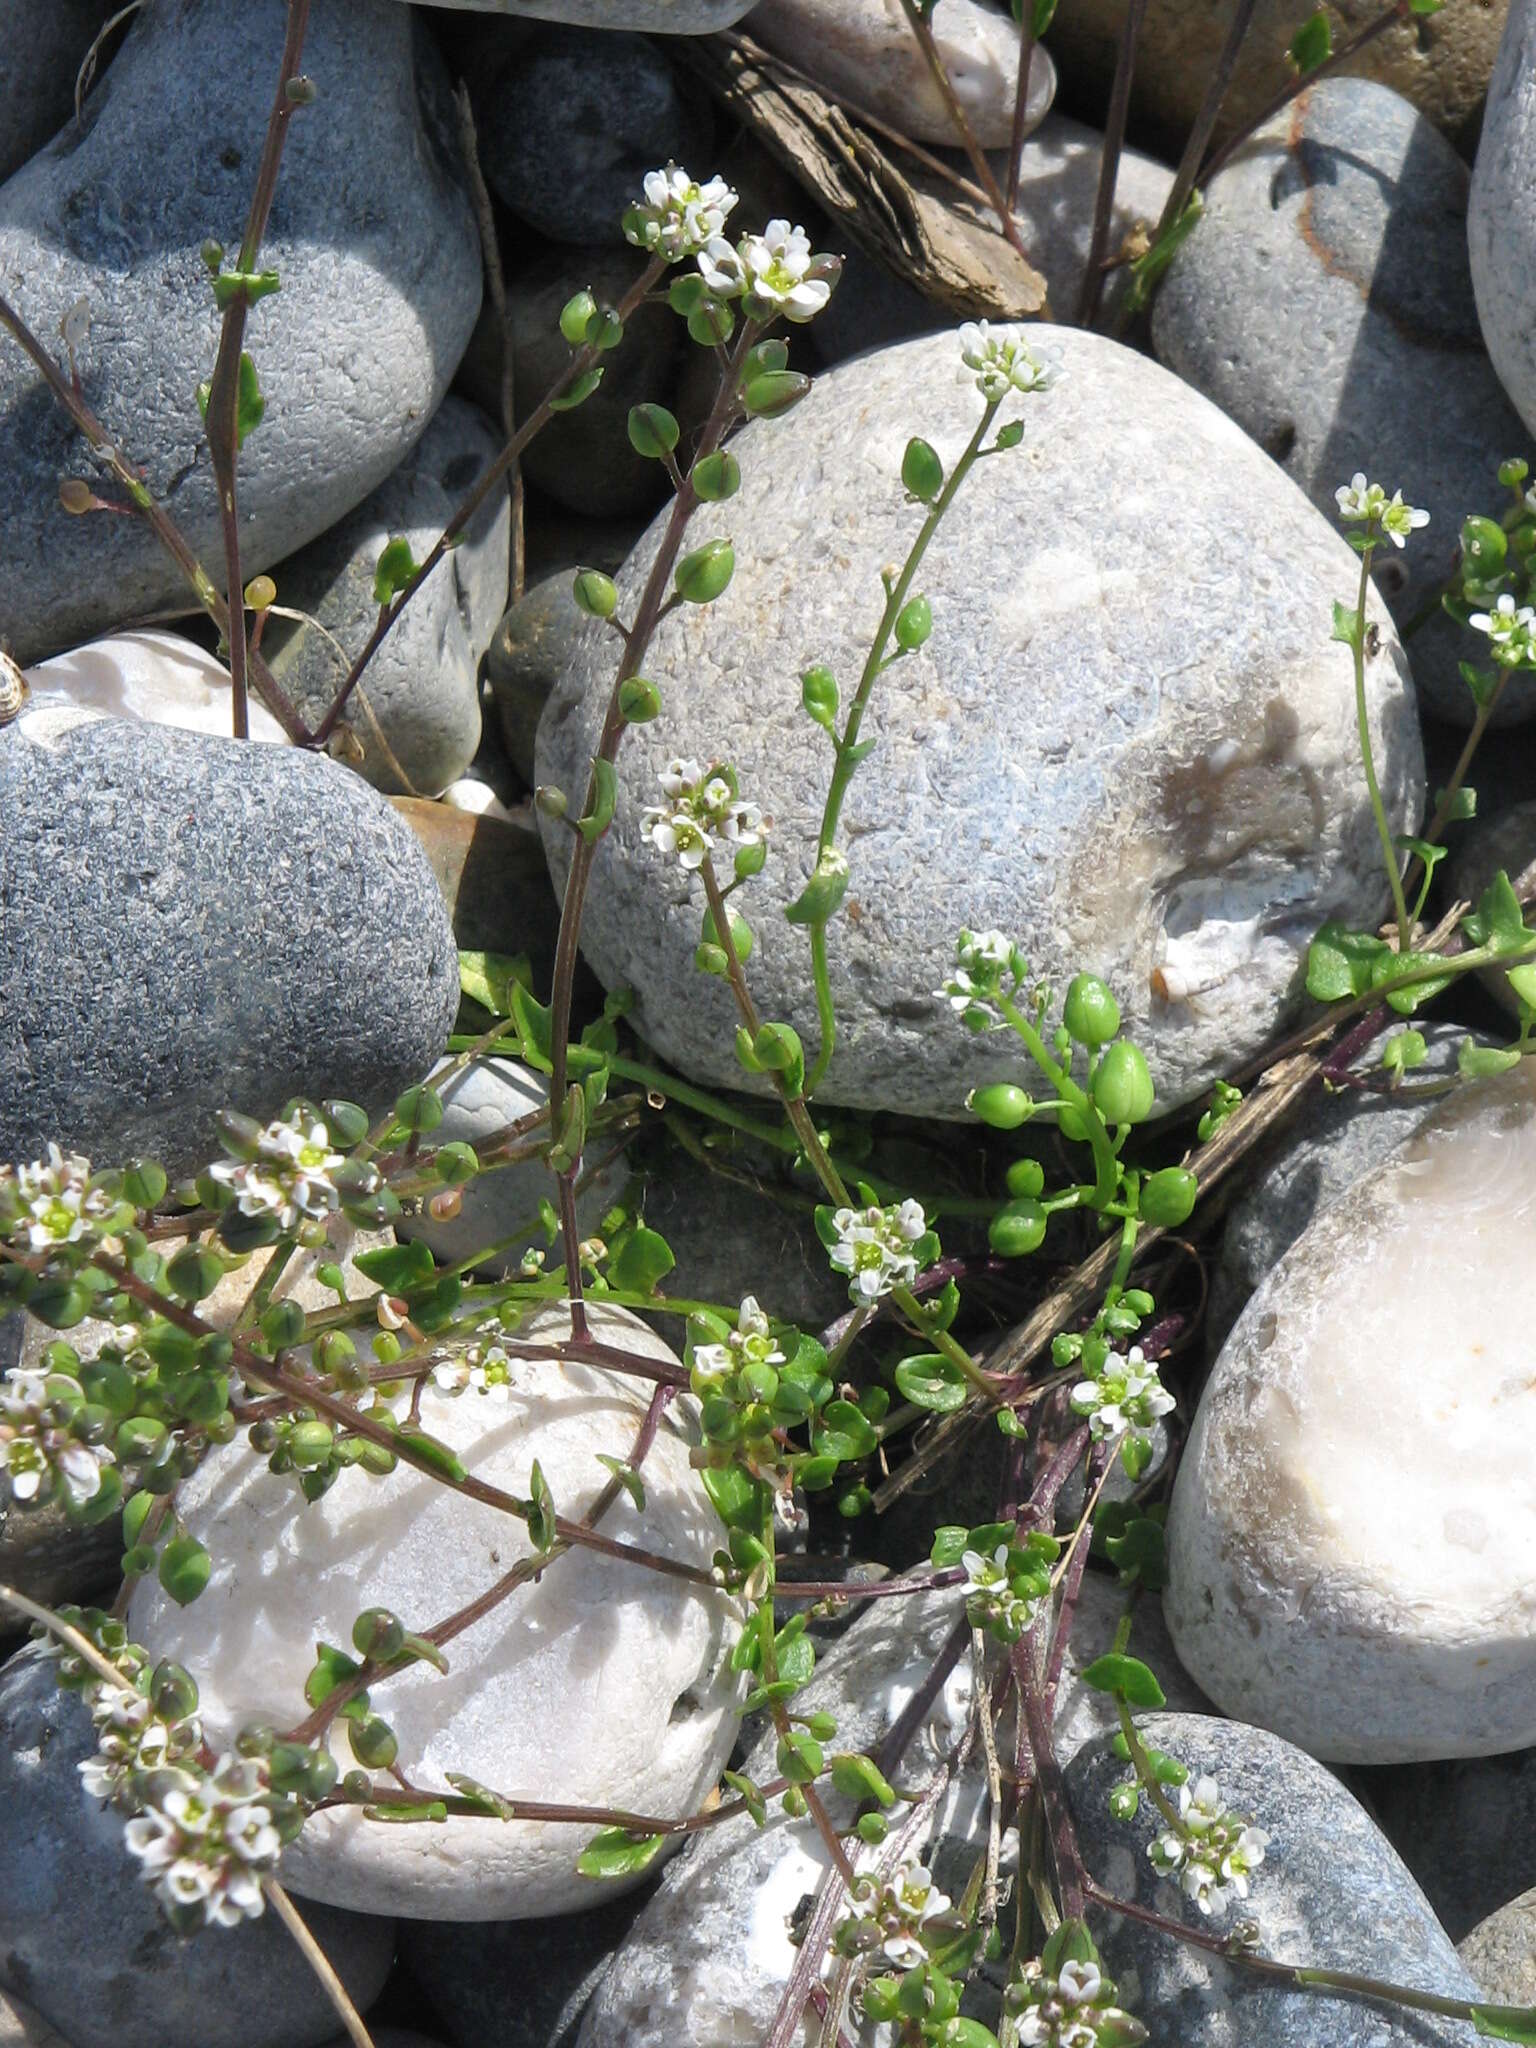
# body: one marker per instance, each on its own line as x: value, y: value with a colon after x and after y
x: 156, y: 678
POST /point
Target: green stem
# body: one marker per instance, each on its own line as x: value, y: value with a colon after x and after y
x: 1367, y: 758
x: 1142, y: 1764
x: 846, y: 763
x: 1106, y: 1167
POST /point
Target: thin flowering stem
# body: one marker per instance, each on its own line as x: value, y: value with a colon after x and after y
x: 1143, y: 1767
x: 1020, y: 105
x: 1109, y: 166
x: 847, y: 760
x: 1217, y: 87
x: 1106, y: 1166
x: 1368, y: 759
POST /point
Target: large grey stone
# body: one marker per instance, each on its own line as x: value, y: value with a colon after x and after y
x: 569, y: 129
x: 45, y: 1556
x: 659, y: 17
x: 1501, y: 1952
x: 1330, y: 1892
x: 1332, y: 1140
x: 1059, y: 180
x: 45, y: 44
x: 709, y: 1955
x: 84, y: 1940
x: 237, y: 923
x: 380, y: 266
x: 1325, y: 302
x: 1467, y: 1831
x: 1350, y: 1537
x: 1501, y: 218
x: 1132, y: 766
x: 416, y: 711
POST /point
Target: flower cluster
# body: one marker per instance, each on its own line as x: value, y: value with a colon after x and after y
x: 750, y: 1346
x: 875, y: 1247
x: 885, y: 1918
x: 286, y: 1173
x: 982, y: 960
x: 1006, y: 1593
x: 1362, y: 503
x: 1511, y: 632
x: 204, y: 1842
x: 485, y: 1367
x: 1075, y: 2009
x: 41, y: 1454
x: 678, y: 217
x: 774, y: 273
x: 702, y: 806
x: 1212, y: 1852
x: 1002, y: 360
x: 133, y: 1735
x: 1125, y: 1393
x: 55, y: 1202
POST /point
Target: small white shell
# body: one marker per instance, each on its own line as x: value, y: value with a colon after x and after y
x: 14, y: 689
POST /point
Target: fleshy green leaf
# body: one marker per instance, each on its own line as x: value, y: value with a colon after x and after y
x: 617, y: 1853
x: 398, y: 1268
x: 1476, y: 1062
x: 644, y: 1259
x: 541, y: 1515
x: 488, y: 979
x: 627, y: 1477
x: 1339, y: 963
x: 393, y: 570
x: 1312, y: 43
x: 1505, y: 2022
x: 749, y: 1792
x: 856, y: 1777
x: 932, y: 1381
x: 1126, y: 1676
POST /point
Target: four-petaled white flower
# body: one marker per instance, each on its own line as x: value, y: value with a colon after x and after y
x: 204, y: 1843
x: 874, y: 1247
x: 702, y: 807
x: 886, y: 1916
x: 991, y: 1601
x: 1511, y: 631
x: 775, y: 272
x: 52, y: 1203
x: 1002, y: 360
x: 1213, y: 1851
x: 1075, y: 2009
x: 751, y: 1343
x: 677, y: 217
x: 1126, y: 1394
x: 982, y: 961
x: 485, y: 1367
x: 289, y: 1176
x: 1360, y: 502
x: 38, y: 1454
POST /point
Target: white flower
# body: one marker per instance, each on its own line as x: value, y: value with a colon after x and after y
x: 289, y: 1175
x: 204, y: 1842
x: 702, y: 807
x: 750, y: 1343
x: 1213, y: 1852
x: 51, y: 1203
x: 982, y: 960
x: 485, y: 1366
x: 874, y: 1247
x: 1362, y: 502
x: 38, y: 1455
x: 1511, y: 632
x: 1126, y: 1394
x: 890, y: 1913
x: 678, y: 217
x: 1003, y: 361
x: 1068, y: 2011
x: 771, y: 271
x: 993, y: 1602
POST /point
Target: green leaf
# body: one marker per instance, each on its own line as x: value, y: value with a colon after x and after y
x: 250, y: 405
x: 1347, y: 624
x: 1403, y: 1051
x: 1339, y: 963
x: 627, y: 1477
x: 1523, y: 981
x: 754, y: 1799
x: 950, y: 1544
x: 393, y: 570
x: 641, y: 1261
x: 1505, y: 2022
x: 1406, y: 1000
x: 1126, y: 1677
x: 408, y: 1812
x: 252, y: 285
x: 541, y: 1512
x: 534, y: 1024
x: 932, y: 1381
x: 332, y: 1667
x: 580, y: 391
x: 857, y: 1777
x: 1463, y: 805
x: 429, y: 1451
x: 420, y: 1650
x: 1312, y: 43
x: 398, y: 1268
x: 1149, y: 267
x: 738, y: 1499
x: 184, y: 1568
x: 845, y: 1433
x: 1477, y: 1062
x: 617, y: 1853
x: 488, y: 979
x: 481, y: 1797
x: 600, y: 817
x: 1499, y: 919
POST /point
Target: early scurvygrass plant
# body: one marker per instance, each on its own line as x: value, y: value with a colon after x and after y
x: 326, y: 1395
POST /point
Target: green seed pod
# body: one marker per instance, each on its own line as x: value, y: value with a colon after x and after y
x: 144, y: 1183
x: 605, y: 330
x: 138, y: 1559
x: 242, y: 1233
x: 715, y: 477
x: 1168, y: 1198
x: 914, y: 623
x: 1026, y: 1177
x: 282, y: 1324
x: 639, y: 701
x: 378, y: 1459
x: 653, y: 431
x: 194, y: 1273
x: 711, y: 323
x: 173, y: 1692
x: 921, y: 471
x: 109, y: 1383
x: 138, y: 1438
x: 1122, y: 1087
x: 1018, y: 1228
x: 701, y: 576
x: 687, y: 294
x: 765, y: 357
x: 873, y: 1828
x: 1483, y: 545
x: 1090, y: 1012
x: 455, y: 1163
x: 1001, y: 1105
x: 347, y: 1123
x: 310, y: 1444
x: 819, y: 695
x: 750, y: 860
x: 378, y: 1634
x: 201, y: 1397
x: 741, y: 933
x: 373, y: 1743
x: 320, y: 1774
x: 184, y: 1568
x: 334, y: 1350
x: 256, y: 1738
x: 595, y: 594
x: 774, y: 393
x: 1514, y: 472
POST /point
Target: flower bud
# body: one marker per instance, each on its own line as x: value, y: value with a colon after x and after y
x: 301, y: 90
x: 1168, y: 1198
x: 1091, y: 1013
x: 1122, y: 1087
x: 1483, y: 545
x: 574, y: 315
x: 704, y: 574
x: 1001, y: 1104
x: 595, y: 594
x: 716, y: 477
x: 1018, y: 1228
x: 914, y: 623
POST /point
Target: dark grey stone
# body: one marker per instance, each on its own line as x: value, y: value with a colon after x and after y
x: 1329, y: 1142
x: 44, y: 46
x: 380, y: 265
x: 1501, y: 1952
x: 416, y: 711
x: 1330, y: 1892
x: 1324, y: 300
x: 191, y: 924
x: 660, y: 17
x: 570, y: 128
x: 1147, y: 775
x: 1467, y: 1830
x: 43, y: 1555
x: 84, y: 1940
x: 1501, y: 219
x: 515, y: 1983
